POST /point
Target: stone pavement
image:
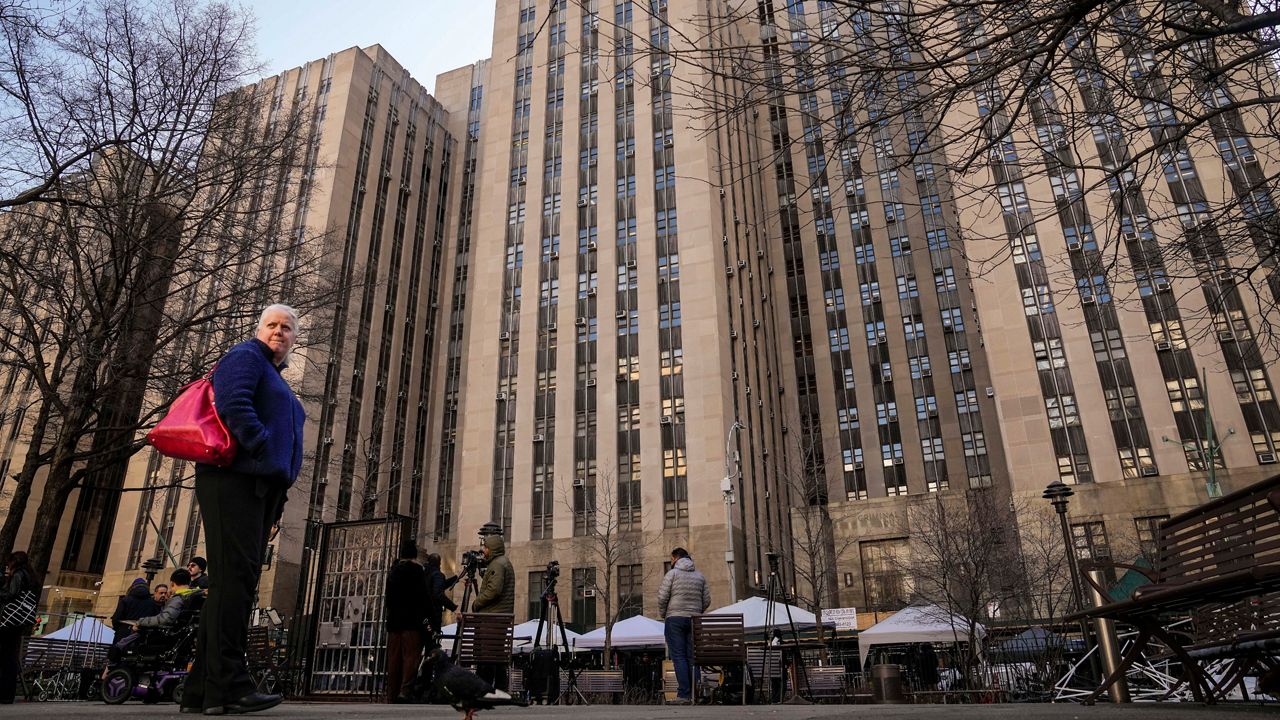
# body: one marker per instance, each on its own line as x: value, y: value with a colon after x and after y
x: 355, y: 711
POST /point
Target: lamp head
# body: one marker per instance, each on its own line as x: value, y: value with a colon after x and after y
x: 1059, y: 494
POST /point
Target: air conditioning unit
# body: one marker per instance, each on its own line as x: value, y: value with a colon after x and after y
x: 733, y: 375
x: 933, y: 412
x: 539, y: 437
x: 733, y: 334
x: 1226, y: 335
x: 1087, y: 300
x: 875, y: 296
x: 591, y: 382
x: 1162, y: 285
x: 664, y: 420
x: 848, y: 191
x: 760, y: 253
x: 784, y: 429
x: 886, y: 374
x: 593, y: 246
x: 582, y: 202
x: 551, y: 327
x: 579, y: 482
x: 1267, y: 458
x: 553, y: 256
x: 328, y: 440
x: 588, y: 592
x: 500, y: 397
x: 504, y: 337
x: 621, y: 315
x: 1075, y: 245
x: 755, y: 323
x: 591, y: 292
x: 742, y: 264
x: 580, y: 322
x: 1150, y: 470
x: 346, y: 448
x: 1164, y: 345
x: 668, y: 142
x: 592, y: 162
x: 623, y: 377
x: 991, y: 392
x: 728, y: 269
x: 631, y: 264
x: 521, y: 180
x: 897, y: 461
x: 926, y: 372
x: 1061, y: 144
x: 631, y: 152
x: 858, y: 465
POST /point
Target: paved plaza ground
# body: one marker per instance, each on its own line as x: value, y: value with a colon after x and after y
x: 299, y: 710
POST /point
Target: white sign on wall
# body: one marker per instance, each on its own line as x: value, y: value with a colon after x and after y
x: 841, y: 618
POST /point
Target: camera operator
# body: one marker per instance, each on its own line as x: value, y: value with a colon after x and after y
x: 497, y: 594
x: 497, y: 591
x: 437, y: 600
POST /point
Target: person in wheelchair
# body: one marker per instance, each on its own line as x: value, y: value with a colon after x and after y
x: 177, y: 613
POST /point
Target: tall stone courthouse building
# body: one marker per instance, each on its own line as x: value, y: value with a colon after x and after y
x: 583, y: 299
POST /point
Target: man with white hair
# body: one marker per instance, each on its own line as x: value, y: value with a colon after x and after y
x: 239, y: 504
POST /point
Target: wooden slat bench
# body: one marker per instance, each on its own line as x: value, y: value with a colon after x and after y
x: 1208, y: 558
x: 825, y: 682
x: 596, y: 682
x: 721, y: 641
x: 484, y: 638
x: 766, y: 678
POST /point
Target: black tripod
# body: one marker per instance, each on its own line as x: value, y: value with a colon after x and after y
x: 773, y: 592
x: 469, y: 568
x: 550, y: 608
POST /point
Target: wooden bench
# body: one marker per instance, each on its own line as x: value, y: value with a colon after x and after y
x: 596, y: 682
x: 721, y: 641
x: 485, y: 639
x: 765, y: 665
x: 825, y: 682
x: 1207, y: 559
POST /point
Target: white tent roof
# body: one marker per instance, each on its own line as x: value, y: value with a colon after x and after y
x: 523, y: 635
x: 926, y: 624
x: 84, y: 630
x: 637, y: 631
x: 754, y: 610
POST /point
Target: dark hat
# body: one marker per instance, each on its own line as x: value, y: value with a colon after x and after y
x: 408, y: 549
x: 138, y: 581
x: 200, y: 562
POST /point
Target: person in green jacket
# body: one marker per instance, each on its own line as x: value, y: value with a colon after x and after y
x: 497, y: 591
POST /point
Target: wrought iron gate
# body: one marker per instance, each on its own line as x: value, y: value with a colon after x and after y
x: 349, y: 640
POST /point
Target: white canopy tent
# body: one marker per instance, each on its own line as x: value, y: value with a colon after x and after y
x: 87, y: 630
x: 523, y: 636
x: 755, y: 609
x: 636, y: 631
x: 924, y: 624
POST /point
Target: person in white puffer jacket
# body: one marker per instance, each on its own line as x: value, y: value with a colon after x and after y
x: 683, y: 594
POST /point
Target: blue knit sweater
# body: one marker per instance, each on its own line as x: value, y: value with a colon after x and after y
x: 261, y: 411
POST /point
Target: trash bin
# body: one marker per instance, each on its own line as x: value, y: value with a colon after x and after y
x: 886, y: 684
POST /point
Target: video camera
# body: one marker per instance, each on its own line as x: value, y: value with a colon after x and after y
x: 472, y: 560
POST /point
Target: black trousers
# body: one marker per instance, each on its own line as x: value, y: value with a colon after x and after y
x: 10, y: 663
x: 238, y: 511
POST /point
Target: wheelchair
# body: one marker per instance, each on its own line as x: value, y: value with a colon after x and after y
x: 151, y: 664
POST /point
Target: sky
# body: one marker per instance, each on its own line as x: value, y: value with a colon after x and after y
x: 427, y: 37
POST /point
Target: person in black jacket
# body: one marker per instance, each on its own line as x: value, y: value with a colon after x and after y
x: 239, y: 504
x: 136, y: 603
x: 406, y: 611
x: 199, y: 578
x: 19, y: 579
x: 438, y: 599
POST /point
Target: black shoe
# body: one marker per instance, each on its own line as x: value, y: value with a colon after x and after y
x: 215, y: 710
x: 193, y: 709
x: 252, y: 702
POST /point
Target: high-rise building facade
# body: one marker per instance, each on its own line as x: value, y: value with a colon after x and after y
x: 378, y: 177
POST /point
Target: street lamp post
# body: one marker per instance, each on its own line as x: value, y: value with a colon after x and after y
x: 1059, y: 495
x: 731, y: 471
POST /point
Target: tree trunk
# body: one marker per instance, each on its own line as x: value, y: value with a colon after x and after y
x: 22, y: 483
x: 48, y: 519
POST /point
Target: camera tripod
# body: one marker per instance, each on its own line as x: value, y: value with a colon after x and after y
x: 468, y: 588
x: 773, y: 592
x: 549, y: 610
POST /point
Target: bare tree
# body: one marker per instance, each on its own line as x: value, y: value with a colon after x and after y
x: 153, y: 207
x: 964, y: 560
x: 816, y: 550
x: 1116, y: 103
x: 1043, y: 565
x: 604, y: 542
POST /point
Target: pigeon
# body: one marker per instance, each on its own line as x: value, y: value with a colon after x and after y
x: 464, y: 690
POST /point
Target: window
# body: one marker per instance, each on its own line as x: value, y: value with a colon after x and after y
x: 952, y: 320
x: 919, y: 367
x: 1093, y: 289
x: 848, y: 418
x: 931, y: 448
x: 834, y: 298
x: 1025, y: 247
x: 967, y: 402
x: 535, y: 593
x: 1107, y: 345
x: 1145, y: 528
x: 913, y: 328
x: 1062, y: 411
x: 937, y: 239
x: 839, y: 339
x: 885, y: 585
x: 907, y: 287
x: 630, y: 591
x: 1089, y: 539
x: 1251, y: 382
x: 975, y: 444
x: 1184, y: 394
x: 886, y: 413
x: 1122, y: 402
x: 944, y: 279
x: 958, y: 360
x: 1013, y: 197
x: 1049, y: 353
x: 584, y: 608
x: 1036, y: 300
x: 926, y: 407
